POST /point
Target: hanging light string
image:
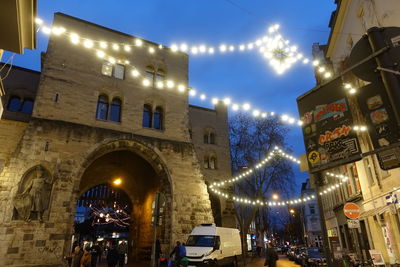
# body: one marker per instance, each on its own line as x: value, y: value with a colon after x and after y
x: 335, y: 186
x: 164, y: 84
x: 108, y: 215
x: 278, y: 50
x: 276, y: 152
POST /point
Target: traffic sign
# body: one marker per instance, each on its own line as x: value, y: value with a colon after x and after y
x: 353, y: 224
x: 351, y: 210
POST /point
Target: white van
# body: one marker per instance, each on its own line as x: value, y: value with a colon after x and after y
x: 215, y: 246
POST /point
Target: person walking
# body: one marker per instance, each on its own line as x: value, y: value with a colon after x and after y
x: 122, y: 251
x: 112, y: 255
x: 96, y: 253
x: 175, y: 253
x: 271, y: 256
x: 86, y: 258
x: 77, y: 256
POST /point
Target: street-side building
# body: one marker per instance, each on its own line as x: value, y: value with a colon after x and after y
x: 310, y: 218
x: 83, y: 122
x: 369, y: 186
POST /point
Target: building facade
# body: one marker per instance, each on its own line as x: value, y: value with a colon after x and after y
x: 82, y: 122
x: 369, y: 186
x: 310, y: 218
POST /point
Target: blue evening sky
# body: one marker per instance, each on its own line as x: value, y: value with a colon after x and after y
x: 241, y: 76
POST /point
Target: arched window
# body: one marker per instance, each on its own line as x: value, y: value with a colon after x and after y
x: 206, y: 162
x: 14, y: 103
x: 27, y: 106
x: 102, y: 108
x: 158, y: 118
x: 147, y: 116
x: 115, y: 110
x: 150, y: 74
x: 205, y: 138
x: 212, y: 138
x: 213, y: 163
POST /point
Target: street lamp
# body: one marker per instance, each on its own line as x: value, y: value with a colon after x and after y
x: 292, y: 211
x: 275, y: 196
x: 117, y: 181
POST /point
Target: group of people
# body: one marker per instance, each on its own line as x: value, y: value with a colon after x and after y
x: 90, y: 256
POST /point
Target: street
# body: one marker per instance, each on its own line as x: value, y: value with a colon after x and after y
x: 282, y: 262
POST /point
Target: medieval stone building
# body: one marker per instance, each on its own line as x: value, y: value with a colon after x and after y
x: 82, y: 122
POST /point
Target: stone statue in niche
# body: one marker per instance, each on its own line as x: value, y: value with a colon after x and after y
x: 32, y: 199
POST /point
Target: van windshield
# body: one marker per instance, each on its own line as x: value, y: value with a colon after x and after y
x: 200, y: 241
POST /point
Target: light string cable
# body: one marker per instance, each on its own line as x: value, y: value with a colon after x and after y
x: 276, y: 152
x: 161, y: 84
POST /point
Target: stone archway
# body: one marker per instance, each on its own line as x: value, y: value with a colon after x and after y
x: 143, y: 173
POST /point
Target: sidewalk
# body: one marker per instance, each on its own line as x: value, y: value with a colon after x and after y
x: 282, y: 262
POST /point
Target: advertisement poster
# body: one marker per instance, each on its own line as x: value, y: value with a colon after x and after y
x: 327, y: 122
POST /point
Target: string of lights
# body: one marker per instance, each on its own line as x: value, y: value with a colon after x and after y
x: 117, y: 216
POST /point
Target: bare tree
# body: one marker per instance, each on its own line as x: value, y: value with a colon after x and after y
x: 252, y: 139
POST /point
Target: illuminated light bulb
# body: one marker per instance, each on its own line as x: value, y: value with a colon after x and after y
x: 138, y: 42
x: 285, y: 117
x: 328, y: 75
x: 363, y: 128
x: 160, y: 47
x: 146, y: 82
x: 214, y: 101
x: 74, y: 38
x: 264, y: 115
x: 88, y: 44
x: 276, y: 26
x: 38, y: 21
x: 112, y: 60
x: 194, y: 50
x: 347, y: 85
x: 170, y: 84
x: 127, y: 62
x: 356, y: 128
x: 235, y: 107
x: 250, y: 46
x: 271, y: 29
x: 115, y: 47
x: 300, y: 123
x: 183, y: 47
x: 258, y: 42
x: 268, y: 55
x: 135, y: 73
x: 127, y: 48
x: 202, y: 48
x: 306, y: 60
x: 299, y: 56
x: 174, y: 48
x: 203, y: 97
x: 160, y: 84
x: 181, y: 88
x: 100, y: 54
x: 315, y: 62
x: 246, y: 106
x: 256, y: 113
x: 211, y: 50
x: 321, y: 69
x: 192, y: 92
x: 227, y: 101
x: 151, y: 50
x: 291, y: 120
x: 103, y: 45
x: 58, y: 30
x: 293, y: 48
x: 222, y: 48
x: 272, y: 113
x: 352, y: 91
x: 46, y: 30
x: 231, y: 48
x: 242, y: 47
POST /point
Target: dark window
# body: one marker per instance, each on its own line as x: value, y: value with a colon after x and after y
x: 312, y: 209
x: 14, y: 103
x: 102, y: 108
x: 206, y: 162
x: 115, y: 110
x: 205, y: 138
x: 27, y: 106
x: 212, y: 138
x: 147, y: 116
x: 213, y: 162
x: 158, y: 118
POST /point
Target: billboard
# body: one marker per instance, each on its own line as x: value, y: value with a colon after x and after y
x: 327, y: 122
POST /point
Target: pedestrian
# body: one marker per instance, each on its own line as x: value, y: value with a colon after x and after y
x: 271, y: 256
x: 122, y: 253
x: 260, y: 245
x: 76, y: 256
x: 112, y: 255
x: 96, y: 253
x: 86, y: 258
x: 175, y: 253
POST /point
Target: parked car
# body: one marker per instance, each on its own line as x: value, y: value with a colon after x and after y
x: 298, y: 255
x: 313, y: 257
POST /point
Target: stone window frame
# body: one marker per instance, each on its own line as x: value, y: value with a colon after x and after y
x: 22, y: 100
x: 109, y: 104
x: 209, y: 136
x: 210, y: 161
x: 153, y: 107
x: 155, y: 74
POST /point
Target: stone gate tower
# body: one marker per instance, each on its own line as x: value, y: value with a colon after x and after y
x: 82, y: 122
